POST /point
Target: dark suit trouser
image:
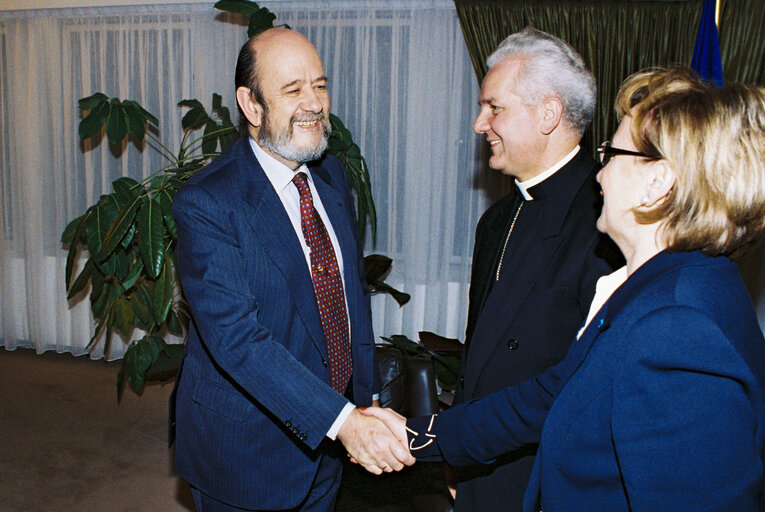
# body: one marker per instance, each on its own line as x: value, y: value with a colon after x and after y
x: 321, y: 497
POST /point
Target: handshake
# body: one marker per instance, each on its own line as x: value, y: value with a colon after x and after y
x: 376, y: 438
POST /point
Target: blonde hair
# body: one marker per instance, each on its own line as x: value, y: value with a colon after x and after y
x: 714, y: 139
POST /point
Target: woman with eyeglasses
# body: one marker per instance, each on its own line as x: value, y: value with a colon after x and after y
x: 660, y: 402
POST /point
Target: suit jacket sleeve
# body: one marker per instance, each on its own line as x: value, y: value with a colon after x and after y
x: 225, y: 311
x: 478, y: 431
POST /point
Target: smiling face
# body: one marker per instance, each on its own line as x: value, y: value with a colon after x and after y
x: 293, y: 124
x: 511, y: 128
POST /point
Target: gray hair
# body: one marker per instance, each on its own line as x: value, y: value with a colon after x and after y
x: 550, y: 68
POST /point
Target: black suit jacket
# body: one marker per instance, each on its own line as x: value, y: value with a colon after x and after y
x: 524, y: 323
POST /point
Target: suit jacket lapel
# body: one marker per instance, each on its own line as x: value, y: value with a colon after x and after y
x: 273, y: 229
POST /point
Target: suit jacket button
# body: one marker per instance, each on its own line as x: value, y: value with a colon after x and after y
x: 462, y: 380
x: 295, y: 430
x: 512, y: 344
x: 324, y: 362
x: 288, y: 423
x: 303, y: 437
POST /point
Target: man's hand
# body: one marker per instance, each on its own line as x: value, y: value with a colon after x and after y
x: 370, y: 443
x: 393, y: 420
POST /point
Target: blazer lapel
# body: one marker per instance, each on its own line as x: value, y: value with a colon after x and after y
x: 273, y: 229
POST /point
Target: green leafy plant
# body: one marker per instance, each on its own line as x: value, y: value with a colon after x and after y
x: 130, y: 236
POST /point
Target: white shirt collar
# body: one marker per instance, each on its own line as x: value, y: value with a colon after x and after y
x: 277, y: 173
x: 539, y: 178
x: 604, y: 288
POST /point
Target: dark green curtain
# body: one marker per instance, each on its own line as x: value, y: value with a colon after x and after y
x: 742, y: 40
x: 617, y: 38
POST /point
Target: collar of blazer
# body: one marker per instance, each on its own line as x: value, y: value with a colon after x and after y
x: 662, y: 263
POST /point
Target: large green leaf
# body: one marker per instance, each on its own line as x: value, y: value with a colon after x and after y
x: 174, y: 323
x: 145, y: 114
x: 74, y: 248
x: 376, y: 266
x: 92, y: 123
x: 260, y: 21
x: 126, y: 189
x: 68, y: 235
x: 209, y: 142
x: 135, y: 272
x: 167, y: 364
x: 137, y: 118
x: 119, y: 227
x: 124, y: 263
x: 141, y: 301
x: 123, y: 315
x: 163, y: 292
x: 99, y: 220
x: 128, y: 236
x: 238, y: 6
x: 136, y: 125
x: 380, y: 287
x: 166, y: 203
x: 93, y: 101
x: 139, y: 356
x: 82, y: 280
x: 96, y: 334
x: 194, y: 118
x: 108, y: 266
x: 116, y: 123
x: 103, y: 301
x: 151, y: 235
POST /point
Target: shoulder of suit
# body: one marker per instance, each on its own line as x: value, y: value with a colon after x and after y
x: 222, y: 166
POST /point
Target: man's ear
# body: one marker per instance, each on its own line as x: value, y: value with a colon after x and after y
x: 660, y: 178
x: 550, y: 114
x: 252, y: 110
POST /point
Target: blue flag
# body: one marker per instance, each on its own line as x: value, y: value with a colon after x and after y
x: 706, y: 55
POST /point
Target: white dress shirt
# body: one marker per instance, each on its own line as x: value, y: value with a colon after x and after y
x: 281, y: 178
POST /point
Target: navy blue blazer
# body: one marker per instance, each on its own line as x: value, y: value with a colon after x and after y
x: 253, y: 398
x: 658, y: 406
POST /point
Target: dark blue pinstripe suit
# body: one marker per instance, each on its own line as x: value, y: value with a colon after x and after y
x: 253, y: 400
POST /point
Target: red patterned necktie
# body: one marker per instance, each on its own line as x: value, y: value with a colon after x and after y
x: 328, y: 287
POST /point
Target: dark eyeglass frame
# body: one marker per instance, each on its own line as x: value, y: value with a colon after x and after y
x: 606, y: 151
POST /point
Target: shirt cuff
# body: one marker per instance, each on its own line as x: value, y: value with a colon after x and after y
x: 335, y: 428
x: 375, y: 396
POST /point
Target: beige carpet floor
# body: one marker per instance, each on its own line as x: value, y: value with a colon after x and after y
x: 67, y: 445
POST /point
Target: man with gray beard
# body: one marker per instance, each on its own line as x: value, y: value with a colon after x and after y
x: 281, y: 345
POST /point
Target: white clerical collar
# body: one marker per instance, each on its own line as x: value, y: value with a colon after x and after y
x: 539, y: 178
x: 277, y: 173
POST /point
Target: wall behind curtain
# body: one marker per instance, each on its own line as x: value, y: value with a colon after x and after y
x: 400, y: 78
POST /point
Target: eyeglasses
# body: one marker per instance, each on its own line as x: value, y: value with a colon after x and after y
x: 606, y: 151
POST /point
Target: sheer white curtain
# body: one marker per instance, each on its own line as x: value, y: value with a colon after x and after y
x: 400, y: 78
